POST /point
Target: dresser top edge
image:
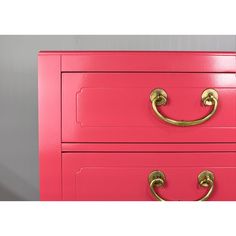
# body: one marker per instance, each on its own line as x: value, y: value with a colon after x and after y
x: 219, y: 53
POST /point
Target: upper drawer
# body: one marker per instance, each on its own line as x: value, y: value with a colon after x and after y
x: 116, y: 107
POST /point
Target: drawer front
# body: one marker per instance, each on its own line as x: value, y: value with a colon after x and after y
x: 116, y: 107
x: 124, y: 176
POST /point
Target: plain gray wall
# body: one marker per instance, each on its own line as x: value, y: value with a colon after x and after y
x: 19, y: 176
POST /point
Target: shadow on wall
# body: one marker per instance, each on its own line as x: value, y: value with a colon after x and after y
x: 7, y: 194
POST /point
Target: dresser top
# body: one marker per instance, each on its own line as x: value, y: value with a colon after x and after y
x: 224, y: 53
x: 145, y: 61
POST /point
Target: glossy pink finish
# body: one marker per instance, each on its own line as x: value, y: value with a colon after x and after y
x: 124, y: 176
x: 99, y: 138
x: 49, y: 96
x: 115, y: 107
x: 148, y: 147
x: 149, y: 61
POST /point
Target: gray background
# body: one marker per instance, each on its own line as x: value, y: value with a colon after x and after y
x: 19, y: 178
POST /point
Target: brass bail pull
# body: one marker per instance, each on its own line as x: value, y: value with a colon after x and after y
x: 159, y: 97
x: 157, y: 179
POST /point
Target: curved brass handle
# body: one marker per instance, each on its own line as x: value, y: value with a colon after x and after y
x: 205, y: 179
x: 158, y: 97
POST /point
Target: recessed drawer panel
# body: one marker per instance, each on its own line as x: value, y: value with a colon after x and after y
x: 133, y: 176
x: 117, y: 107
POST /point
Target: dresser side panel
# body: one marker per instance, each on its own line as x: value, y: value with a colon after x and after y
x: 49, y: 108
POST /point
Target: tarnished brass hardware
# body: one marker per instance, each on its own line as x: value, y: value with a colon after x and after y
x: 206, y: 180
x: 209, y: 97
x: 157, y: 179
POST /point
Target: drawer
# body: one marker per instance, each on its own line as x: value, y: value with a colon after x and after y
x: 125, y: 176
x: 116, y: 107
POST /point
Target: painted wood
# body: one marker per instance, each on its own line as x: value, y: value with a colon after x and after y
x: 149, y: 61
x: 99, y: 138
x: 148, y: 147
x: 115, y: 107
x: 124, y: 176
x: 49, y: 109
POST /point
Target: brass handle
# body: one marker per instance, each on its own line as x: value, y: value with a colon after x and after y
x: 205, y: 179
x: 158, y: 97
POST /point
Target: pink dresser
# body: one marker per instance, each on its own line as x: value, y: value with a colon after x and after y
x: 137, y: 125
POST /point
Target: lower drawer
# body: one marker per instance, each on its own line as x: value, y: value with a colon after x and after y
x: 126, y: 176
